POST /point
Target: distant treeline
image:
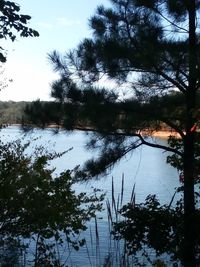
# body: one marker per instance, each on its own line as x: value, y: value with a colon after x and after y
x: 12, y: 112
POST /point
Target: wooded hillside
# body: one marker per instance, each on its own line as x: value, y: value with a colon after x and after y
x: 11, y: 112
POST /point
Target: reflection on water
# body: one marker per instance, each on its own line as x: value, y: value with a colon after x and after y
x: 145, y: 167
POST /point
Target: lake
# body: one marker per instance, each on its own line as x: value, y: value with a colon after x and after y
x: 146, y: 168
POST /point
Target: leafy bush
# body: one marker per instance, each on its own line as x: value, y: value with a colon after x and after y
x: 36, y: 204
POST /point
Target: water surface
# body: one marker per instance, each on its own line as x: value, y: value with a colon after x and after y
x: 145, y: 167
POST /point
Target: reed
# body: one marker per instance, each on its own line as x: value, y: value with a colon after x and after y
x: 116, y: 255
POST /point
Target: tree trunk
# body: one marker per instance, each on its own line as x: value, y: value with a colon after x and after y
x: 189, y: 146
x: 189, y: 205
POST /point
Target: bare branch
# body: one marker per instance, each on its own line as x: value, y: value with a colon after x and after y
x: 129, y: 134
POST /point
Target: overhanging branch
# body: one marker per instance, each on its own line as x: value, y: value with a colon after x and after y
x: 166, y: 148
x: 143, y: 141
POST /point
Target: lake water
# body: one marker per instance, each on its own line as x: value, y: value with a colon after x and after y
x: 146, y: 168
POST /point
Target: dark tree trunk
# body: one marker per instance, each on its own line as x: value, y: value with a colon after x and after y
x: 189, y: 147
x: 189, y: 206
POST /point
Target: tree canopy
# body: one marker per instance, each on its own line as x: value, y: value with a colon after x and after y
x: 149, y: 50
x: 13, y: 23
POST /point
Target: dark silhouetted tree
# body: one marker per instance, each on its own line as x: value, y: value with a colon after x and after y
x: 149, y: 48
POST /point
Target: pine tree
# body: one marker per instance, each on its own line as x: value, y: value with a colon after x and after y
x: 151, y: 49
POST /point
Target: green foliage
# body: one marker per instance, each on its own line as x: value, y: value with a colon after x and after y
x: 12, y: 23
x: 150, y: 225
x: 35, y: 203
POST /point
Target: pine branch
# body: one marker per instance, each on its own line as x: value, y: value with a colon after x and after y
x: 131, y: 134
x: 171, y: 80
x: 172, y: 23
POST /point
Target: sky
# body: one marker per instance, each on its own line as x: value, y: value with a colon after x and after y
x: 62, y: 24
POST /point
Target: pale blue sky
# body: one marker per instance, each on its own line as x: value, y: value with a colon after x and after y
x: 62, y: 24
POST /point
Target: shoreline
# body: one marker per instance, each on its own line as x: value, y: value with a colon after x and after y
x: 160, y: 134
x: 164, y: 134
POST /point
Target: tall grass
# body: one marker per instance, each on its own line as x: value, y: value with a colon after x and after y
x: 117, y: 255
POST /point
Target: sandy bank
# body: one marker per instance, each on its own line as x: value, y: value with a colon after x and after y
x: 164, y: 134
